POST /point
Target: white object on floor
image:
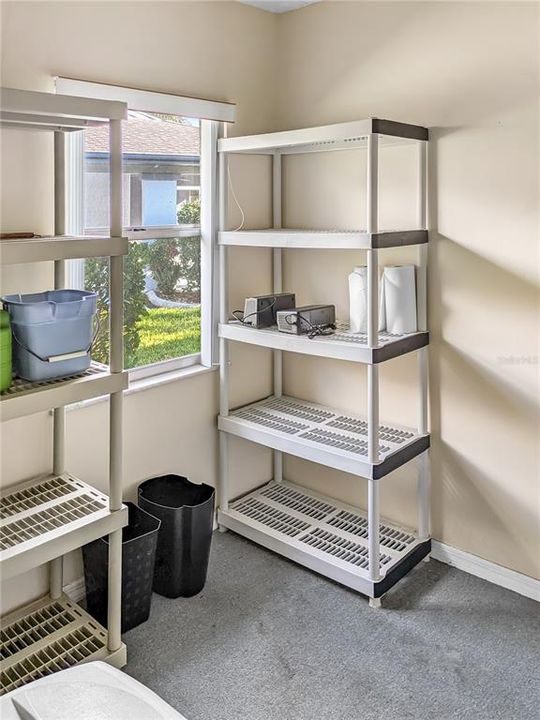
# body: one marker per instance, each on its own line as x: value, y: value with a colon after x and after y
x: 399, y: 293
x: 358, y: 301
x: 93, y: 691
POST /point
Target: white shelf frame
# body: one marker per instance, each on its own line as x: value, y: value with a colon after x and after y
x: 89, y: 518
x: 63, y: 114
x: 51, y: 634
x: 328, y: 436
x: 370, y: 134
x: 322, y: 239
x: 25, y: 398
x: 63, y: 247
x: 282, y: 516
x: 340, y: 346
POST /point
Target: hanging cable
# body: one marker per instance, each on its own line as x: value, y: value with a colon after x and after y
x: 235, y: 198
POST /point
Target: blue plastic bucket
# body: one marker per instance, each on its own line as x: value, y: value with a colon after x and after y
x: 52, y: 333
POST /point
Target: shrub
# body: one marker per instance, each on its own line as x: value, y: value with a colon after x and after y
x: 162, y: 255
x: 190, y: 213
x: 189, y: 261
x: 96, y: 279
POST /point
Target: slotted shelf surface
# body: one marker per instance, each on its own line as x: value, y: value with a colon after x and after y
x: 342, y: 345
x: 316, y: 531
x: 48, y: 517
x: 325, y: 435
x: 24, y: 397
x: 48, y: 636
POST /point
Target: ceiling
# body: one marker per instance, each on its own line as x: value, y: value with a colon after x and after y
x: 278, y: 6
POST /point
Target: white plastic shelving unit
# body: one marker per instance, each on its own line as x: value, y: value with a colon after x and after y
x: 354, y: 548
x: 44, y: 518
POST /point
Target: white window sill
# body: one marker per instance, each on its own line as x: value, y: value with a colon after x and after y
x: 153, y: 381
x: 167, y: 377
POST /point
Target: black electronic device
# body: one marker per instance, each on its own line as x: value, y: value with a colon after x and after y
x: 307, y: 320
x: 260, y: 311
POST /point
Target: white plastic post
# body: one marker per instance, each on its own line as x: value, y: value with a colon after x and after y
x: 278, y: 287
x: 372, y: 225
x: 116, y: 361
x: 56, y: 567
x: 372, y: 206
x: 423, y: 481
x: 372, y: 185
x: 373, y: 529
x: 423, y: 497
x: 223, y: 476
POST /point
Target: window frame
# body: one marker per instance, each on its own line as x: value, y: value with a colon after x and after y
x: 209, y: 132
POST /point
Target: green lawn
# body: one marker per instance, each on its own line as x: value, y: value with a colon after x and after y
x: 167, y: 333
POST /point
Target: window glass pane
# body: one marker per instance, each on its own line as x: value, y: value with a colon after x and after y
x: 162, y: 311
x: 161, y: 172
x: 161, y: 276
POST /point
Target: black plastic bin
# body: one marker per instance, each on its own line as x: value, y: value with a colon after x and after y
x: 139, y: 541
x: 186, y: 511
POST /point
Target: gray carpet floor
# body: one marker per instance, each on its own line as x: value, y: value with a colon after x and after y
x: 268, y: 640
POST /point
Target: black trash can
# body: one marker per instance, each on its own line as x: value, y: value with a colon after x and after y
x: 139, y: 541
x: 186, y: 511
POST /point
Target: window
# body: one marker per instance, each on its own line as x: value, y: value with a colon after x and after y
x: 162, y: 272
x: 168, y: 191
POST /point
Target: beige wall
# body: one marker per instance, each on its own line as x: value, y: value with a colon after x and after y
x: 224, y: 51
x: 470, y: 73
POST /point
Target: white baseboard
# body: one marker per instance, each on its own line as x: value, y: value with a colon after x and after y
x: 497, y: 574
x: 472, y: 564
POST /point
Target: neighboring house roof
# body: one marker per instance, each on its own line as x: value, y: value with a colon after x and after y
x: 146, y: 134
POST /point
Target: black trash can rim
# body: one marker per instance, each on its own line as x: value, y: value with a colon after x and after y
x: 128, y: 504
x: 174, y: 507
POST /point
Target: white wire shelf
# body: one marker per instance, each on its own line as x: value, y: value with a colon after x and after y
x: 322, y: 534
x: 50, y: 516
x: 342, y: 345
x: 63, y: 247
x: 340, y: 136
x: 27, y: 109
x: 324, y: 435
x: 48, y: 636
x: 25, y: 397
x: 322, y: 239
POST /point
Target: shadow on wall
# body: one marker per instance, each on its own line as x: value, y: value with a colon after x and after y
x: 467, y: 487
x: 481, y: 368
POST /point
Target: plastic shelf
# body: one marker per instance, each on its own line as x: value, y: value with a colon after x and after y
x: 339, y: 136
x: 50, y: 516
x: 25, y: 398
x: 322, y: 239
x: 59, y: 113
x: 334, y: 438
x: 59, y: 247
x: 323, y: 534
x: 47, y: 636
x: 342, y: 345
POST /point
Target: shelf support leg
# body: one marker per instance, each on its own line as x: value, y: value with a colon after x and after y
x: 372, y: 184
x: 277, y: 269
x: 56, y: 566
x: 116, y: 361
x: 373, y: 370
x: 423, y: 492
x: 373, y: 530
x: 423, y: 482
x: 223, y: 471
